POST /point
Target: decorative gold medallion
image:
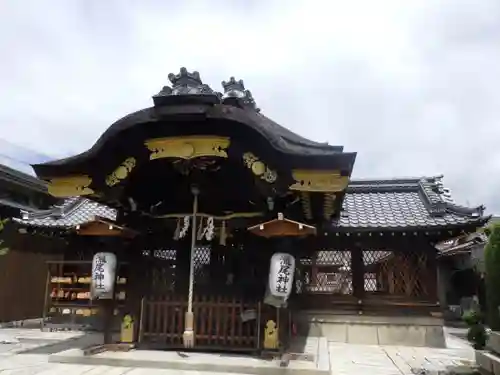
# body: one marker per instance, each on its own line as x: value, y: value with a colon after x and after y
x: 258, y: 168
x: 121, y: 172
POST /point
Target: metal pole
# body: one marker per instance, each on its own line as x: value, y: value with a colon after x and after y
x: 188, y: 336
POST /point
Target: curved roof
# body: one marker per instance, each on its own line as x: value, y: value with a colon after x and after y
x: 190, y: 99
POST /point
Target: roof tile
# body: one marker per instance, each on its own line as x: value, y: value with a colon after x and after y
x: 73, y: 212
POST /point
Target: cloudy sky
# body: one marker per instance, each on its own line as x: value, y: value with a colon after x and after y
x: 412, y: 86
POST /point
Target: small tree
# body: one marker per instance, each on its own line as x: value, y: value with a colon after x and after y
x: 3, y: 250
x: 492, y: 279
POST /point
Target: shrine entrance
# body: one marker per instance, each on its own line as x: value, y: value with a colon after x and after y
x: 228, y: 288
x: 228, y: 306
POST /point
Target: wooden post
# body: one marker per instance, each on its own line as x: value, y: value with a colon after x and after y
x: 314, y: 270
x: 358, y: 273
x: 45, y: 299
x: 107, y: 307
x: 432, y: 265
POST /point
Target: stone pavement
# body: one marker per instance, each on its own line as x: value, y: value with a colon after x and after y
x: 346, y: 359
x: 400, y: 360
x: 17, y: 340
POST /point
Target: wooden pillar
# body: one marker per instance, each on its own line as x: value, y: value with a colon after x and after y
x: 358, y: 273
x: 432, y: 277
x: 215, y: 265
x: 108, y: 306
x: 183, y: 252
x: 392, y: 277
x: 314, y: 269
x: 137, y: 281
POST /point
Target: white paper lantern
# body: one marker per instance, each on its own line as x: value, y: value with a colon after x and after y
x: 281, y: 273
x: 103, y: 275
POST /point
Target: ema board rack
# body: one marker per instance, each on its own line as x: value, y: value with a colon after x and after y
x: 68, y: 303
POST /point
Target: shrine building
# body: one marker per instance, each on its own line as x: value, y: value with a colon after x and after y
x: 357, y: 258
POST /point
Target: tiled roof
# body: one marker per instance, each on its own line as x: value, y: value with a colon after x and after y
x: 405, y: 203
x: 73, y: 212
x: 463, y: 244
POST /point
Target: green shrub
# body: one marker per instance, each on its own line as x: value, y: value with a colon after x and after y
x: 3, y: 250
x: 492, y: 278
x: 477, y: 331
x: 477, y: 336
x: 472, y: 317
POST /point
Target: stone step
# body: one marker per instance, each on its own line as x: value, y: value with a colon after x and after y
x: 489, y: 363
x: 191, y: 361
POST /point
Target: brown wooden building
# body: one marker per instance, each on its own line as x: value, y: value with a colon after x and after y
x: 22, y: 255
x: 368, y: 261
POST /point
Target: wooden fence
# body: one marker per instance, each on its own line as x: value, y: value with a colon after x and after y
x: 23, y: 275
x: 220, y: 322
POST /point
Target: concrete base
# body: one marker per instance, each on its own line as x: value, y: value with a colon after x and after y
x: 199, y: 361
x: 488, y: 363
x: 373, y: 330
x: 26, y: 323
x: 494, y: 342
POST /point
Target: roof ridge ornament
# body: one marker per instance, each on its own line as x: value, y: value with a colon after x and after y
x: 185, y: 77
x: 186, y: 83
x: 235, y: 89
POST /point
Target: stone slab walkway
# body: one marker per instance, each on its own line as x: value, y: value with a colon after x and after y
x: 398, y: 360
x: 393, y: 360
x: 17, y: 340
x: 37, y: 364
x: 345, y: 359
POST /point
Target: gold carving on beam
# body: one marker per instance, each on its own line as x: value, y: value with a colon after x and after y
x: 305, y: 199
x: 63, y: 187
x: 318, y: 181
x: 188, y: 147
x: 121, y: 172
x: 329, y: 206
x: 258, y: 168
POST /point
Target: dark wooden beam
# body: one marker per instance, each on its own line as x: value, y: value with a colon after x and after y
x: 104, y: 228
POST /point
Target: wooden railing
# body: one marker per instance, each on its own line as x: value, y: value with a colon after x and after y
x: 220, y: 322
